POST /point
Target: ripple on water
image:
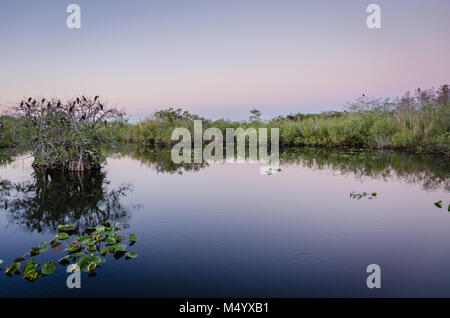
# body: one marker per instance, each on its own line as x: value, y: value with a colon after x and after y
x: 309, y: 258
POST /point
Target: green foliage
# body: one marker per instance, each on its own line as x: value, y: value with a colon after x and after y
x: 67, y: 135
x: 419, y: 121
x: 84, y: 250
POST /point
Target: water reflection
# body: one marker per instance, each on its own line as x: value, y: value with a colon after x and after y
x: 430, y: 171
x: 55, y: 197
x: 159, y: 160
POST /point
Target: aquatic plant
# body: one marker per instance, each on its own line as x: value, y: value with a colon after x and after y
x: 87, y: 250
x: 439, y: 204
x: 359, y: 196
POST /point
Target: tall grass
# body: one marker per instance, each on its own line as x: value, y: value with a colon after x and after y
x: 418, y: 121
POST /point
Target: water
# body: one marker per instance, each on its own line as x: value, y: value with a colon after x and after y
x: 226, y: 230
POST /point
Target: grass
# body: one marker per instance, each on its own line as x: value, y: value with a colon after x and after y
x: 419, y: 122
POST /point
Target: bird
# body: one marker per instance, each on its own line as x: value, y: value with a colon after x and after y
x: 84, y: 98
x: 43, y: 100
x: 83, y: 116
x: 364, y: 95
x: 59, y: 104
x: 29, y: 99
x: 101, y: 106
x: 49, y: 105
x: 95, y: 98
x: 34, y: 102
x: 21, y: 104
x: 78, y: 100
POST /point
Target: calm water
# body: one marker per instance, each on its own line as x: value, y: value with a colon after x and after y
x: 215, y: 230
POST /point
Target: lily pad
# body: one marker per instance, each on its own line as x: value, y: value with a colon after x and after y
x: 62, y: 236
x: 133, y: 238
x: 48, y: 268
x: 131, y: 254
x: 111, y: 240
x: 13, y: 268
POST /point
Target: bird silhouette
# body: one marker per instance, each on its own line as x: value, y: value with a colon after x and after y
x: 95, y: 98
x: 49, y: 105
x: 21, y: 104
x: 101, y: 106
x: 59, y: 104
x: 84, y: 98
x: 43, y: 100
x: 70, y: 109
x: 29, y: 99
x: 78, y: 100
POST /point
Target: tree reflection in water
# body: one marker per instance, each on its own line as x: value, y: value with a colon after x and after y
x: 431, y: 171
x: 55, y: 197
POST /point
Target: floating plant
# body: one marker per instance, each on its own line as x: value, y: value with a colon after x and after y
x: 86, y: 250
x: 359, y: 196
x: 439, y: 205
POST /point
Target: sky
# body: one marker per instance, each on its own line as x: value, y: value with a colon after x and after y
x: 219, y: 58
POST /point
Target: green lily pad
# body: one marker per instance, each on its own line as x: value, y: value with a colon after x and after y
x: 64, y: 227
x: 48, y: 268
x: 62, y: 236
x: 131, y: 254
x: 13, y: 268
x: 111, y: 240
x: 31, y: 275
x: 100, y: 228
x: 133, y: 238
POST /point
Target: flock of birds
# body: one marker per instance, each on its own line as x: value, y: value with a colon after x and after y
x: 32, y: 102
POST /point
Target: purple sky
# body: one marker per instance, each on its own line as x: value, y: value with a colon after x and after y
x: 220, y: 58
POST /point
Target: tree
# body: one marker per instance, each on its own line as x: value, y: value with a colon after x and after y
x: 255, y: 115
x: 67, y: 136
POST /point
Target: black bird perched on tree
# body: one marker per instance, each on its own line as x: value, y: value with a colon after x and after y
x: 21, y: 104
x: 59, y: 104
x: 29, y: 99
x: 42, y: 101
x: 101, y: 106
x: 28, y: 105
x: 78, y: 100
x: 34, y: 102
x: 70, y: 109
x: 84, y: 98
x: 96, y: 97
x: 49, y: 105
